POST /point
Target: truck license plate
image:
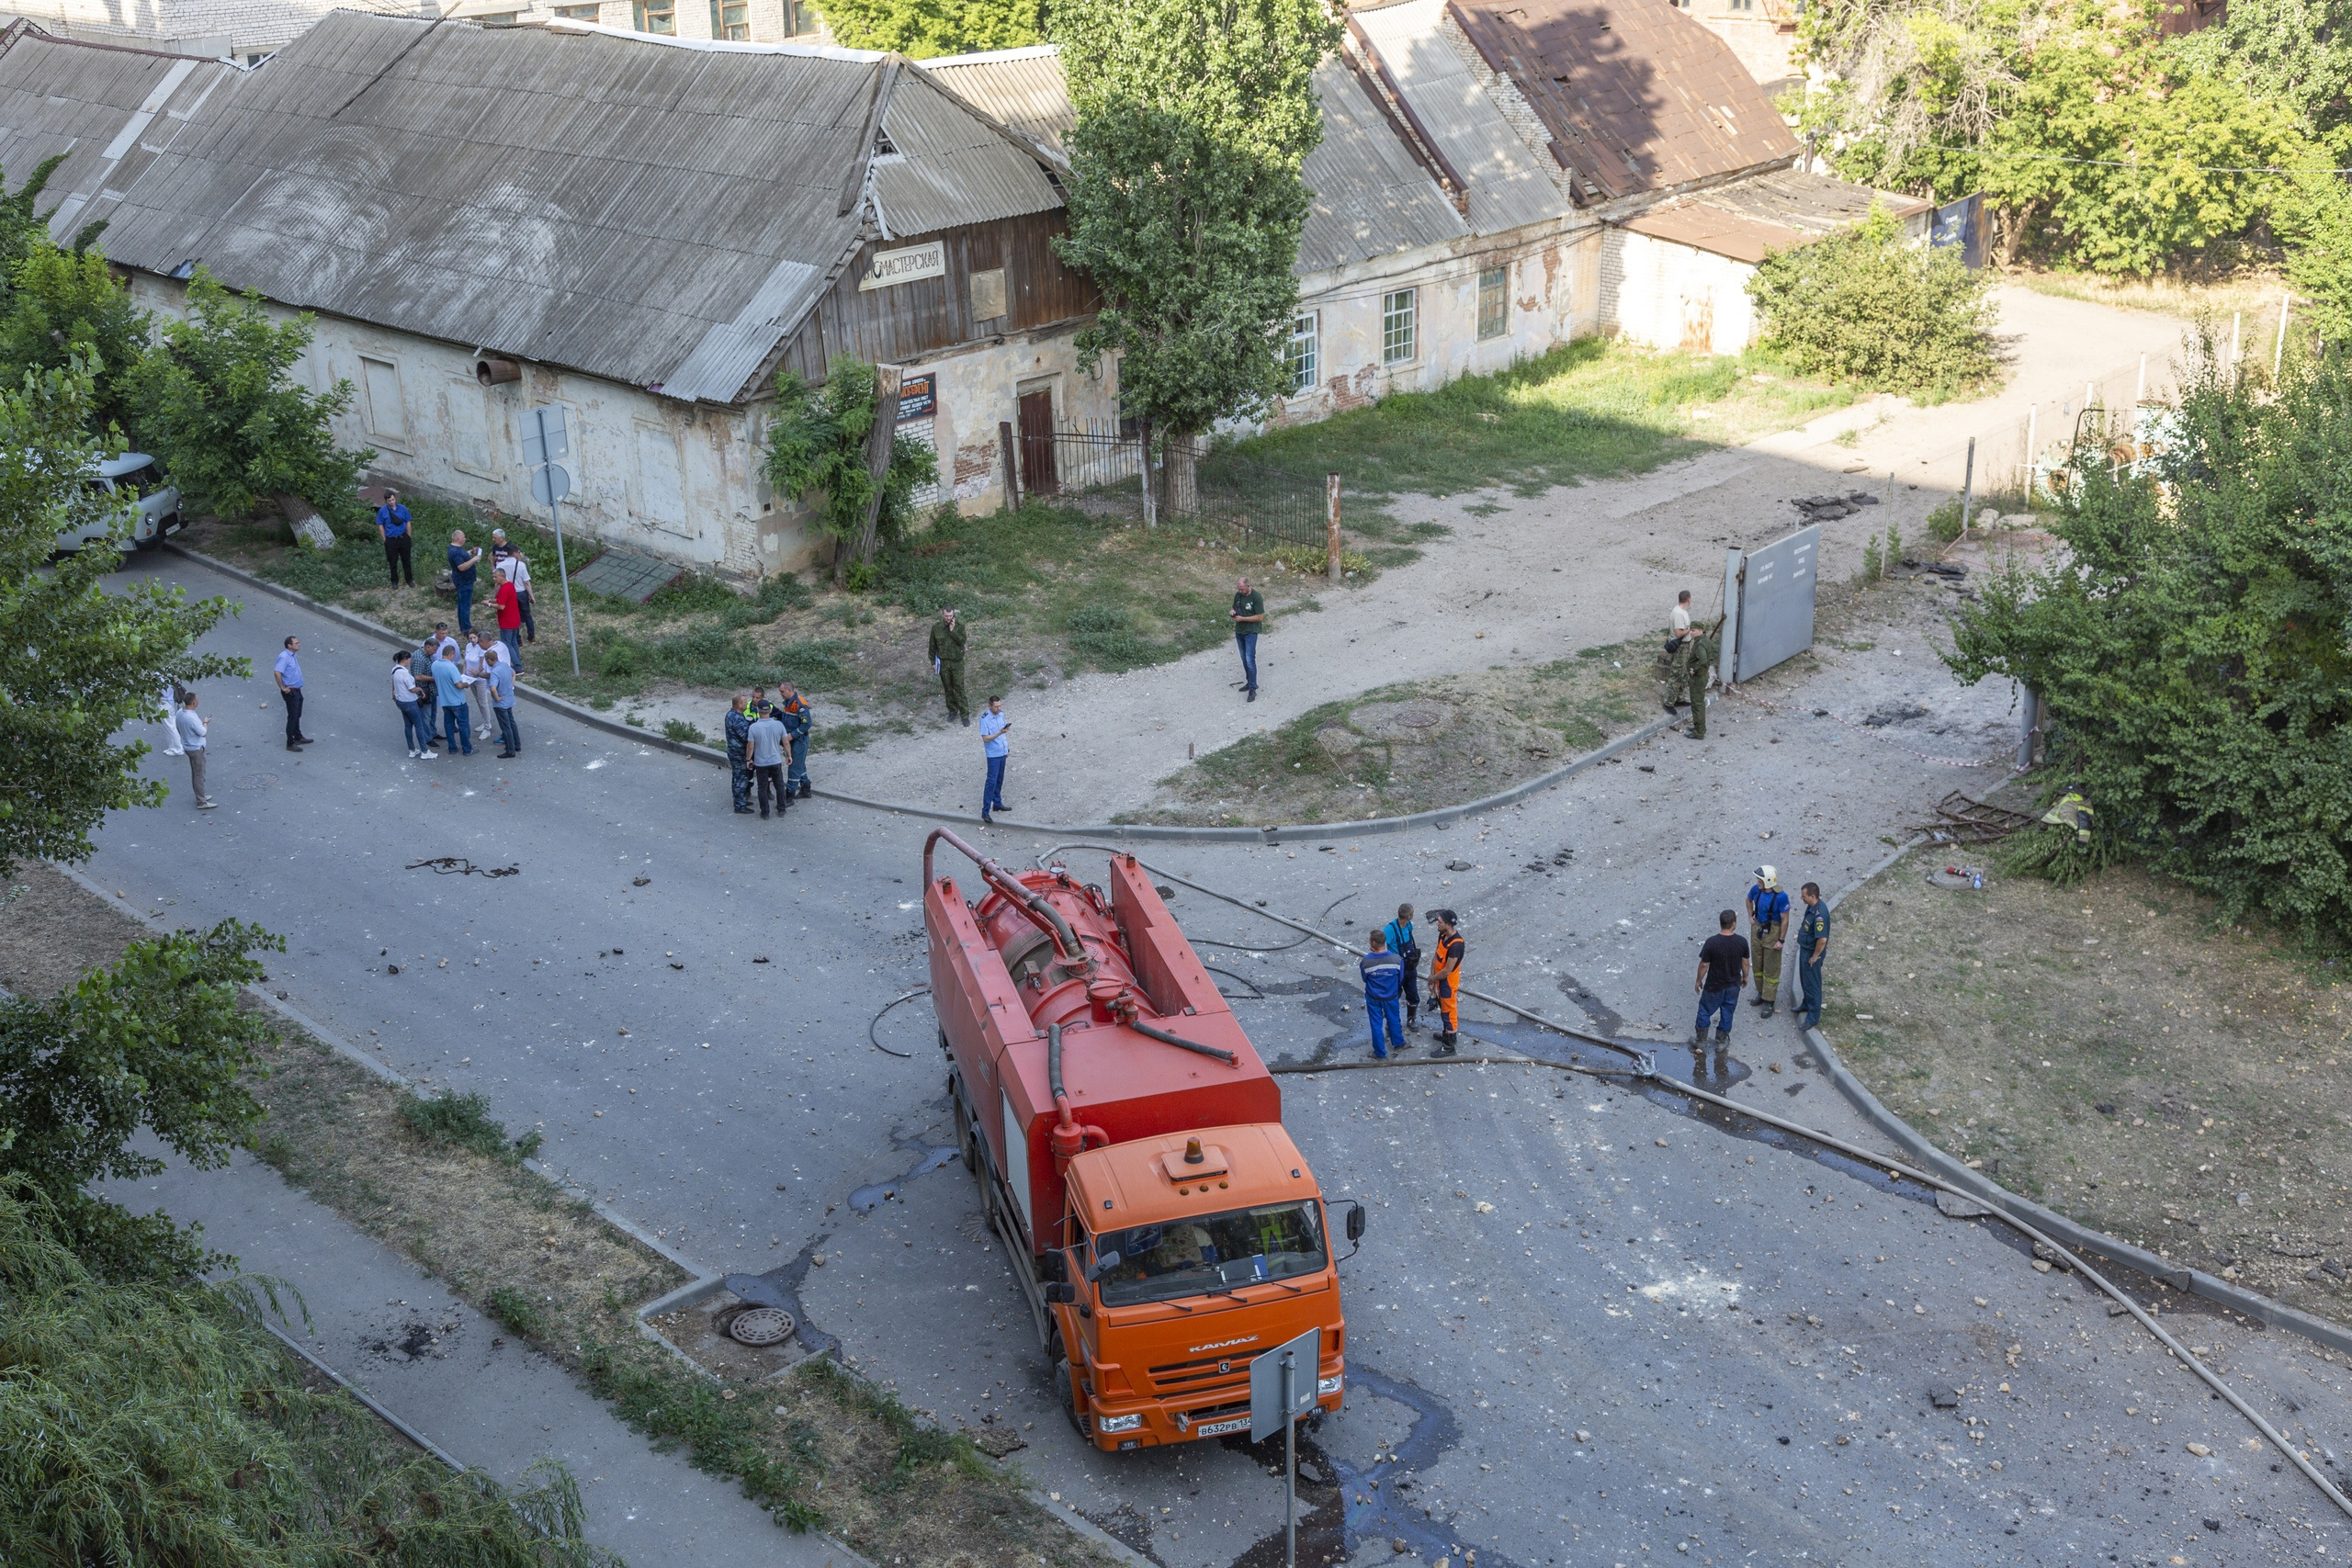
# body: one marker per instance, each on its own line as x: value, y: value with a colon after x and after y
x: 1218, y: 1428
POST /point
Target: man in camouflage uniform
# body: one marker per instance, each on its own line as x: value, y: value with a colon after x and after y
x: 738, y: 741
x: 1703, y: 649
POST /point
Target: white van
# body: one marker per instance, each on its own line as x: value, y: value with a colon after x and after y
x: 130, y: 478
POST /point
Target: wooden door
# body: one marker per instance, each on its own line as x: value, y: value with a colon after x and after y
x: 1037, y: 476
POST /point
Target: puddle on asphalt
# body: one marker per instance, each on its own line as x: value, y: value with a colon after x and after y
x: 928, y: 1158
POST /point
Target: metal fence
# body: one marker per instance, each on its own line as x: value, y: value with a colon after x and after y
x: 1102, y: 470
x: 2015, y: 460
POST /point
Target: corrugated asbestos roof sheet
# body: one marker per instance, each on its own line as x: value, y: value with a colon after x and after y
x: 1020, y: 88
x: 657, y: 215
x: 1506, y: 186
x: 1635, y: 94
x: 1749, y: 221
x: 105, y: 108
x: 1368, y: 195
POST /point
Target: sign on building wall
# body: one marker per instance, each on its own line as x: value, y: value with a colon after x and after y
x: 918, y: 398
x: 915, y: 261
x: 918, y: 421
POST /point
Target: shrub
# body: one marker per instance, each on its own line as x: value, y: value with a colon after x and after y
x: 464, y: 1121
x: 1944, y: 522
x: 678, y: 729
x: 1867, y: 305
x: 2189, y: 646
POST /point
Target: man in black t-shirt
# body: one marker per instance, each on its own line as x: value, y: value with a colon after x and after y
x: 1723, y: 973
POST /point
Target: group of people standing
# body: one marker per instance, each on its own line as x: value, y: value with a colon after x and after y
x: 1391, y: 973
x: 446, y: 685
x: 767, y: 747
x: 512, y: 594
x: 1728, y: 960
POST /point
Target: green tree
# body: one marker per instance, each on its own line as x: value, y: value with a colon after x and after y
x: 2192, y: 646
x: 1193, y: 119
x: 816, y: 454
x: 160, y: 1042
x: 66, y: 305
x: 21, y: 226
x: 926, y: 28
x: 158, y: 1422
x: 85, y: 660
x: 217, y: 404
x: 1868, y: 305
x: 2296, y: 53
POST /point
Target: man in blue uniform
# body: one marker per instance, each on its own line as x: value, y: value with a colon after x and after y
x: 739, y: 753
x: 1384, y: 976
x: 798, y: 720
x: 1812, y: 946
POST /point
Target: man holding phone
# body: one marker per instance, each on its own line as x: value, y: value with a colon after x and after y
x: 996, y: 749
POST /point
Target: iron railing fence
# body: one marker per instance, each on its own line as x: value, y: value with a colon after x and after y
x: 1100, y: 469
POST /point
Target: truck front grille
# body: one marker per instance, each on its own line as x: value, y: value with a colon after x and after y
x: 1194, y: 1377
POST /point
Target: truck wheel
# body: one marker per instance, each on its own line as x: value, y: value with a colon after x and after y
x: 1066, y: 1383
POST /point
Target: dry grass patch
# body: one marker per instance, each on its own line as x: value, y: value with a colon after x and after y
x: 2106, y: 1050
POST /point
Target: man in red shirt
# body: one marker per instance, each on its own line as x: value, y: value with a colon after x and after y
x: 510, y: 624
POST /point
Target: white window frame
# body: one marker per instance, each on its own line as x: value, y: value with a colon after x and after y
x: 1303, y: 351
x: 1400, y: 346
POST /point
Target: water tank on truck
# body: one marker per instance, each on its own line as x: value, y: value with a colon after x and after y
x: 1130, y: 1151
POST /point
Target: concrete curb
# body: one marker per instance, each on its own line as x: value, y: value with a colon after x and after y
x: 2262, y: 1309
x: 1289, y: 833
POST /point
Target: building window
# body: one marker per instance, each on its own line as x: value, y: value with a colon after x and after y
x: 1396, y: 326
x: 792, y: 28
x: 580, y: 13
x: 732, y: 20
x: 497, y: 20
x: 1494, y: 301
x: 657, y: 17
x: 1739, y: 4
x: 1298, y: 355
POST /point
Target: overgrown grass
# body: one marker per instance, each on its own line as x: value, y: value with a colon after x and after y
x: 1592, y: 409
x: 463, y: 1120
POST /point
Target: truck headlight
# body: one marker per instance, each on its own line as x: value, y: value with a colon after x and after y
x: 1117, y: 1423
x: 1327, y: 1386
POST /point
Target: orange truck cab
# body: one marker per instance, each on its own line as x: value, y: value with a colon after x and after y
x: 1130, y: 1152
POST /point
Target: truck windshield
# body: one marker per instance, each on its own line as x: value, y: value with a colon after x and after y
x: 1215, y: 1252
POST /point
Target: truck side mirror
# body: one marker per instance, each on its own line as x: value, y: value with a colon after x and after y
x: 1059, y: 1294
x: 1103, y: 1265
x: 1355, y: 1221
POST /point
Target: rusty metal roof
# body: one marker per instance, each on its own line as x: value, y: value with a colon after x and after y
x: 1753, y: 217
x: 660, y: 214
x: 1633, y: 94
x: 106, y: 107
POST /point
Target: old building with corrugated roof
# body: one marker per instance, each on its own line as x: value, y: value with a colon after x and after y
x: 641, y: 232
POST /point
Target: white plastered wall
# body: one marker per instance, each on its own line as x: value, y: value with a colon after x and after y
x: 1665, y: 294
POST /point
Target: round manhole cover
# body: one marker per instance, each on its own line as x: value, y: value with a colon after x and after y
x: 258, y: 780
x: 761, y: 1325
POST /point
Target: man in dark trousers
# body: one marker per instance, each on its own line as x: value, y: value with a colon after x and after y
x: 463, y: 560
x: 1445, y: 980
x: 947, y: 663
x: 798, y: 720
x: 1398, y: 935
x: 1812, y: 946
x: 1248, y: 620
x: 289, y: 686
x: 739, y: 753
x: 1382, y: 978
x: 392, y: 526
x: 1723, y: 973
x: 1703, y: 652
x: 767, y: 763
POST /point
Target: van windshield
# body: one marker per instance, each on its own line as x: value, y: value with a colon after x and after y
x: 1213, y: 1252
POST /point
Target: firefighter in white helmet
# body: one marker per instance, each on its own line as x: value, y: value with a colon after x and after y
x: 1768, y: 928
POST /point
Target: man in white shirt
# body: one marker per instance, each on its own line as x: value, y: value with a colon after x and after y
x: 413, y: 725
x: 479, y: 690
x: 1678, y: 653
x: 192, y: 730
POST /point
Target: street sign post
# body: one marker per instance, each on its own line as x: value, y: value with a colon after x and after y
x: 546, y: 440
x: 1282, y: 1389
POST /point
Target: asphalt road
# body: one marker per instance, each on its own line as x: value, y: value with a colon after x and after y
x: 1634, y: 1278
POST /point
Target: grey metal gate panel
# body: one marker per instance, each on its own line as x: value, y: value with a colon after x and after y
x: 1776, y: 591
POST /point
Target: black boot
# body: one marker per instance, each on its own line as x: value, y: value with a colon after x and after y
x: 1444, y: 1044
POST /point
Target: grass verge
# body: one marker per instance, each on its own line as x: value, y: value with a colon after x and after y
x: 2254, y: 291
x: 1416, y: 745
x: 1596, y: 407
x: 818, y: 1446
x: 2105, y: 1050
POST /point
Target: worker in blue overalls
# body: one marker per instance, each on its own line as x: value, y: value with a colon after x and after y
x: 738, y: 747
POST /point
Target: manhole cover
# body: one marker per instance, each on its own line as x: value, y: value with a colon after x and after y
x: 761, y: 1325
x: 258, y: 780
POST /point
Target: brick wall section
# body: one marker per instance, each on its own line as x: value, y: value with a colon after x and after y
x: 1507, y: 98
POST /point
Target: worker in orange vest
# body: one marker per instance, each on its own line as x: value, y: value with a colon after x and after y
x: 1445, y: 979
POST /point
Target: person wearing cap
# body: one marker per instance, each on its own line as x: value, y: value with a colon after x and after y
x: 1767, y: 932
x: 1445, y: 980
x: 946, y: 652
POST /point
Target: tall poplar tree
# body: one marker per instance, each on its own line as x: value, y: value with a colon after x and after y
x: 1186, y: 202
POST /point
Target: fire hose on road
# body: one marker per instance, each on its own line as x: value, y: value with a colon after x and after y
x: 1642, y: 1067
